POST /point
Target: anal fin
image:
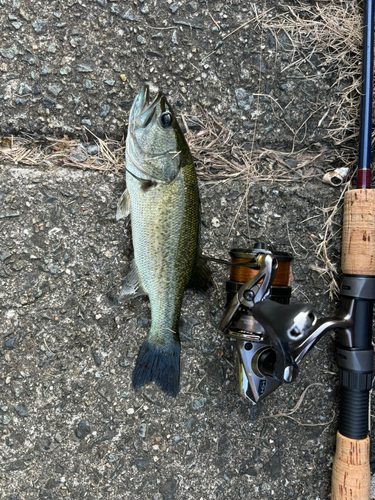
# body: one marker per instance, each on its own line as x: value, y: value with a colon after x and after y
x: 131, y: 287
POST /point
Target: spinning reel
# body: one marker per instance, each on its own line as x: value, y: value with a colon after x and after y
x: 271, y: 336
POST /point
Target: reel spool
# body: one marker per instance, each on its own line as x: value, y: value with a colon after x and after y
x: 280, y: 290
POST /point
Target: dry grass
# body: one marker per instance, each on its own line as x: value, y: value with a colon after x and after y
x: 51, y: 152
x: 333, y: 30
x: 331, y: 232
x: 217, y: 156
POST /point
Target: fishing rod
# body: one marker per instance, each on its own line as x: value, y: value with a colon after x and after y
x: 351, y: 465
x: 272, y: 337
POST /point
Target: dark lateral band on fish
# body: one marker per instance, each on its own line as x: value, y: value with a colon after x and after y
x: 165, y: 229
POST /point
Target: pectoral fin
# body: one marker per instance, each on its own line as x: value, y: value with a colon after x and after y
x: 201, y: 278
x: 131, y: 288
x: 123, y: 206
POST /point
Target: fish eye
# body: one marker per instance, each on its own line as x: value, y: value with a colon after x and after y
x: 166, y: 119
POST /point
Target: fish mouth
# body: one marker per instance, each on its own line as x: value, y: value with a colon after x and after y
x: 146, y: 112
x: 143, y: 111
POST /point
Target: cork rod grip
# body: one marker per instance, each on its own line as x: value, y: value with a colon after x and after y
x: 358, y: 237
x: 351, y: 469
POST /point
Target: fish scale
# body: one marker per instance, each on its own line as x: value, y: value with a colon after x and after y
x: 164, y: 227
x: 163, y: 200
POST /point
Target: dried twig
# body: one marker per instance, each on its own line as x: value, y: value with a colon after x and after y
x: 256, y: 18
x: 289, y: 413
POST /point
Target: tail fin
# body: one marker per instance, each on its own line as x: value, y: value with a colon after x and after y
x: 160, y: 365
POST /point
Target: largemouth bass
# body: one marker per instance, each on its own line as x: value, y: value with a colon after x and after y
x: 162, y: 198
